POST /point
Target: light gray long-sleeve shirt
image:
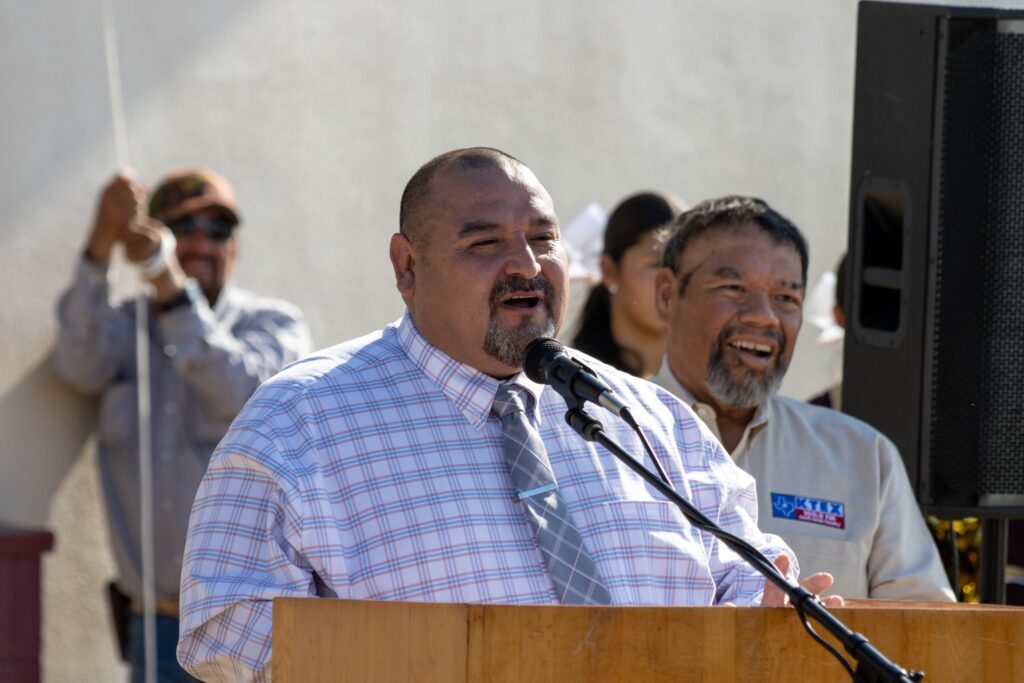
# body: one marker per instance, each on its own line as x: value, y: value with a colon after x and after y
x: 204, y: 365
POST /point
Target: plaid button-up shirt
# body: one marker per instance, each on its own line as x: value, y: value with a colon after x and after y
x: 374, y: 470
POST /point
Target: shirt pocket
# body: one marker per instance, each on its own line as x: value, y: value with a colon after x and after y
x: 650, y: 555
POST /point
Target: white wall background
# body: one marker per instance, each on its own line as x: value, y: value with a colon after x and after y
x: 319, y: 111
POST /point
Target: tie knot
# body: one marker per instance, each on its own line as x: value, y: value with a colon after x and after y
x: 509, y: 398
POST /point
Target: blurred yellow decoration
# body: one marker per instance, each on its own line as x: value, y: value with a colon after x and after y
x: 968, y: 542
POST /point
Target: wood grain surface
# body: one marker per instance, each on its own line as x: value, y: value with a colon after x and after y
x: 341, y: 640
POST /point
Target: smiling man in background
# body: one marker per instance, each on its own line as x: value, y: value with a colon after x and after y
x: 833, y: 487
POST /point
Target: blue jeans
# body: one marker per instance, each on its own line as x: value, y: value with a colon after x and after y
x: 167, y: 667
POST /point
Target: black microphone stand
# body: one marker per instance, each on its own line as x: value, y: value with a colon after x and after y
x: 872, y: 665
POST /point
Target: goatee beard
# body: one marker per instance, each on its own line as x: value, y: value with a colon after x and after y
x: 507, y: 345
x: 755, y: 388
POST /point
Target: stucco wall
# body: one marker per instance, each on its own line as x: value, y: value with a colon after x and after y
x: 319, y: 111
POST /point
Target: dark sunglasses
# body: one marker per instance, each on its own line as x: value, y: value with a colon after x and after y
x: 217, y: 229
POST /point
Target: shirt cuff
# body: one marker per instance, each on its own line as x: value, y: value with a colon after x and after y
x: 93, y: 272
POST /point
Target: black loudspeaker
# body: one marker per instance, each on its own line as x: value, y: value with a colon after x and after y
x: 934, y: 353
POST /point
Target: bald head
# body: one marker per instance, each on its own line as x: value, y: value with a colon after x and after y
x: 416, y: 198
x: 479, y: 262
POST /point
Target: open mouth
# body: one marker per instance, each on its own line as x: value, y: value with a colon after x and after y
x: 756, y: 349
x: 522, y: 300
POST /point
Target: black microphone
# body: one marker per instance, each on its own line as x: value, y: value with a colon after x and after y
x: 545, y: 361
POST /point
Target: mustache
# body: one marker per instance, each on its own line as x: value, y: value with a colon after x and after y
x: 509, y: 284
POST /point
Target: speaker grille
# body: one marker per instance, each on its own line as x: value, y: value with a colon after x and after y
x: 977, y: 390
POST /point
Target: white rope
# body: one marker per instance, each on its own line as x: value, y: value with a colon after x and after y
x: 114, y: 86
x: 141, y: 365
x: 146, y: 484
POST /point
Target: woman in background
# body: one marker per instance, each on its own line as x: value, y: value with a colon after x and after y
x: 620, y: 324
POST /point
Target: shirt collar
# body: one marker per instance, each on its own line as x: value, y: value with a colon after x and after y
x: 666, y: 379
x: 225, y: 300
x: 471, y: 390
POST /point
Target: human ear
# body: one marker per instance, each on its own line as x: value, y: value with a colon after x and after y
x: 609, y: 272
x: 664, y: 291
x: 403, y: 261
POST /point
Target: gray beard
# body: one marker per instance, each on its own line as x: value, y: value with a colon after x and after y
x: 509, y: 345
x: 755, y: 390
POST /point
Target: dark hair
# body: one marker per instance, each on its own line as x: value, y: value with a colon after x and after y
x: 630, y: 221
x: 417, y: 190
x: 730, y: 212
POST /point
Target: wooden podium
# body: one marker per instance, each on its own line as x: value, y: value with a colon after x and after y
x: 345, y: 640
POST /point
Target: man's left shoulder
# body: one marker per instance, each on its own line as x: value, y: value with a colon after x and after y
x: 822, y: 420
x: 643, y: 395
x: 663, y: 416
x: 617, y: 380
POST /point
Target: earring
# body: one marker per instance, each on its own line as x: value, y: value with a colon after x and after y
x: 613, y: 288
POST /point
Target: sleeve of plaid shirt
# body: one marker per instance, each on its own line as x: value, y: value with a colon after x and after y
x: 240, y: 555
x: 736, y: 581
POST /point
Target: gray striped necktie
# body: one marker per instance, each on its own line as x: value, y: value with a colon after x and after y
x: 572, y: 570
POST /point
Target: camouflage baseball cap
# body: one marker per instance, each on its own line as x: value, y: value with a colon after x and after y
x: 187, y: 190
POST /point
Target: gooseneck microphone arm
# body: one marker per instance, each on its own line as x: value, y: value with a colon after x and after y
x: 872, y: 665
x: 545, y: 361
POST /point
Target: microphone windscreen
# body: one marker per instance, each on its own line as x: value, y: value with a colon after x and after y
x: 537, y: 355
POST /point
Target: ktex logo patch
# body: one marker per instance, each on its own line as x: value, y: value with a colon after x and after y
x: 813, y: 510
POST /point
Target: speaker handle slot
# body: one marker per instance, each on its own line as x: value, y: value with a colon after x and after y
x: 886, y: 278
x: 879, y: 270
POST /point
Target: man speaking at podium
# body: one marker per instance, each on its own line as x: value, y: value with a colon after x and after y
x: 419, y: 463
